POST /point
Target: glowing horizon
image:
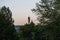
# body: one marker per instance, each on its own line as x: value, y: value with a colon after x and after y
x: 21, y: 9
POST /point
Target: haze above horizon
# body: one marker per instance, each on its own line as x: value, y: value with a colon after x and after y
x: 21, y: 9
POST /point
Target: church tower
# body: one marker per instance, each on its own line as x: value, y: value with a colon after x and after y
x: 28, y: 20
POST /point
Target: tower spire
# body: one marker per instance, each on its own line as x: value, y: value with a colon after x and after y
x: 28, y: 20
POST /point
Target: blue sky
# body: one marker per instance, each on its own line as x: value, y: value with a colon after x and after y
x: 21, y: 9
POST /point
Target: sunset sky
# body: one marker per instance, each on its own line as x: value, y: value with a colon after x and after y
x: 21, y: 9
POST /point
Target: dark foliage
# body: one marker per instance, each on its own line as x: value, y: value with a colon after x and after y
x: 7, y: 30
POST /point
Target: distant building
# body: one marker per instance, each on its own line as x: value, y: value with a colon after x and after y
x: 28, y: 20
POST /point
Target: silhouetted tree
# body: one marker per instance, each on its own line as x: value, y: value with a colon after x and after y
x: 48, y: 12
x: 7, y: 30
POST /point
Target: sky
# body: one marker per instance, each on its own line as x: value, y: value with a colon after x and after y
x: 21, y: 9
